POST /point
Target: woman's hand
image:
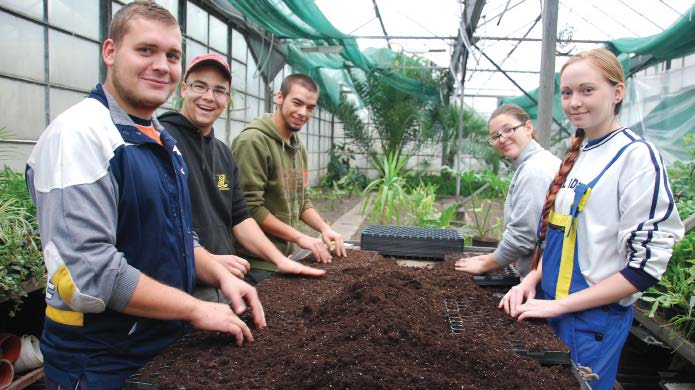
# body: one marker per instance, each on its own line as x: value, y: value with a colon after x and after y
x: 524, y: 291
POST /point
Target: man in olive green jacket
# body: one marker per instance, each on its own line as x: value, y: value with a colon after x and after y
x: 273, y: 175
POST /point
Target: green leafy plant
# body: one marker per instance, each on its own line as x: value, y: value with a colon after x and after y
x: 386, y: 196
x: 20, y: 248
x: 676, y: 288
x: 481, y: 219
x: 496, y: 186
x: 421, y: 208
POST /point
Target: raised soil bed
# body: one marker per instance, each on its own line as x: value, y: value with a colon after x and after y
x: 369, y: 323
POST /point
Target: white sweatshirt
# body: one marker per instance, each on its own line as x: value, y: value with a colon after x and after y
x: 630, y: 222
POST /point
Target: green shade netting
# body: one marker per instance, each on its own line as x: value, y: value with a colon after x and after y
x: 302, y: 23
x: 531, y: 107
x: 668, y: 122
x: 676, y: 41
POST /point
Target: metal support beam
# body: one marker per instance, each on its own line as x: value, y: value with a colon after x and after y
x: 516, y: 84
x: 520, y: 39
x: 444, y: 38
x: 547, y: 87
x: 381, y: 21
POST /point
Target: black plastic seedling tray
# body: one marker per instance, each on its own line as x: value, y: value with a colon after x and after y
x: 411, y: 241
x: 505, y: 277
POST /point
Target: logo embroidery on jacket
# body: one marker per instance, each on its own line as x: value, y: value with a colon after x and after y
x: 222, y: 182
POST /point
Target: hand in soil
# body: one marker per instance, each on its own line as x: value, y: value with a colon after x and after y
x: 317, y: 248
x: 218, y: 317
x: 234, y: 264
x: 539, y: 308
x: 515, y: 297
x: 334, y: 241
x: 289, y: 266
x: 240, y: 293
x: 477, y: 265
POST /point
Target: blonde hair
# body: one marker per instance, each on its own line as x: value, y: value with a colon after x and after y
x: 610, y: 68
x: 146, y: 9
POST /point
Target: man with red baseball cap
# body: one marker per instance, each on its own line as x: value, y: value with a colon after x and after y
x: 219, y: 209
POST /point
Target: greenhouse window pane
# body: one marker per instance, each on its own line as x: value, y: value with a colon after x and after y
x: 251, y: 81
x: 33, y: 8
x: 238, y: 46
x: 193, y: 49
x: 20, y: 36
x: 218, y: 35
x: 24, y: 113
x: 237, y: 126
x: 114, y: 8
x: 196, y: 22
x: 79, y: 16
x: 171, y: 5
x: 238, y: 105
x: 73, y: 62
x: 252, y: 112
x: 220, y: 127
x: 238, y: 76
x: 61, y: 100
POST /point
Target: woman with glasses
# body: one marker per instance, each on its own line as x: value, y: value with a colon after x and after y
x: 512, y: 134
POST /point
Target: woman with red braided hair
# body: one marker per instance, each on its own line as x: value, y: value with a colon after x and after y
x: 608, y: 224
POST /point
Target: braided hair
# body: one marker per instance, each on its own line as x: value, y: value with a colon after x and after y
x: 609, y: 66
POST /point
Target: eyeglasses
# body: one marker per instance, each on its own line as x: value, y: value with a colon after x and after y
x: 505, y: 132
x: 202, y: 88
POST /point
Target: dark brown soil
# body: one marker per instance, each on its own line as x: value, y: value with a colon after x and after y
x: 369, y: 323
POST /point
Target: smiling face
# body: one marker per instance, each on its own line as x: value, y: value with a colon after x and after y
x: 510, y: 145
x: 294, y: 110
x: 589, y: 99
x: 144, y: 67
x: 203, y: 109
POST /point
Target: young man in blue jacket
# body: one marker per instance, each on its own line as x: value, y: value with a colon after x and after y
x: 114, y: 213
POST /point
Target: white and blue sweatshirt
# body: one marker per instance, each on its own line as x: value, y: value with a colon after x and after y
x: 112, y: 203
x: 630, y: 222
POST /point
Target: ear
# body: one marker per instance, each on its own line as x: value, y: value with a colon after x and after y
x: 184, y: 88
x: 108, y: 51
x: 529, y: 127
x: 619, y: 93
x: 279, y: 98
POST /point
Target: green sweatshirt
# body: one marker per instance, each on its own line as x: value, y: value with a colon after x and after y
x: 274, y: 178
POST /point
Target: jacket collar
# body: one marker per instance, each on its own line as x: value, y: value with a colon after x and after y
x: 532, y: 148
x: 123, y: 122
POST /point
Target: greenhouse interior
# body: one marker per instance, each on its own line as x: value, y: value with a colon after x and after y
x: 470, y: 194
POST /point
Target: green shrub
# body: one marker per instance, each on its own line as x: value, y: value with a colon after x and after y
x: 20, y: 248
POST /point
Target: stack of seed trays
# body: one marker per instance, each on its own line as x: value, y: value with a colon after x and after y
x: 503, y: 278
x: 411, y: 241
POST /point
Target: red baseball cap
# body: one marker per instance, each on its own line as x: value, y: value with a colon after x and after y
x: 210, y: 59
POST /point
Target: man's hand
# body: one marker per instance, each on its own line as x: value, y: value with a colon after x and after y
x: 316, y: 247
x: 477, y: 265
x: 234, y: 264
x: 240, y: 293
x: 290, y: 266
x: 218, y: 317
x: 334, y: 241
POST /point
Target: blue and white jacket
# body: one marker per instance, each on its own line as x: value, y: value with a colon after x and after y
x: 112, y: 203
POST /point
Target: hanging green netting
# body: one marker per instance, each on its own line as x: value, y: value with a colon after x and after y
x: 676, y: 41
x: 302, y: 23
x: 531, y: 107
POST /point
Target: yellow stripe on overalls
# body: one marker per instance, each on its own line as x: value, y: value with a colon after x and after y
x: 66, y: 288
x: 569, y: 242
